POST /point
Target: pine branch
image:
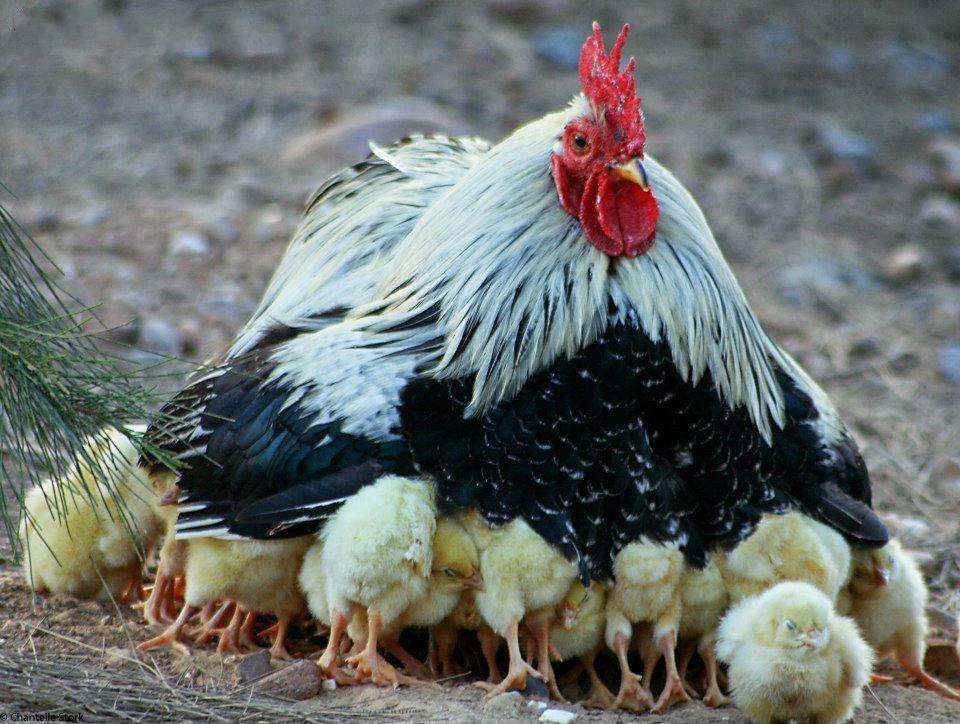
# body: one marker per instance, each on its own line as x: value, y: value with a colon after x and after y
x: 58, y: 389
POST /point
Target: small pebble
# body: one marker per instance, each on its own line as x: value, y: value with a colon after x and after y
x: 188, y: 242
x: 537, y: 704
x: 328, y: 685
x: 254, y: 666
x: 905, y: 263
x: 949, y: 362
x: 558, y: 716
x: 300, y: 680
x: 940, y: 212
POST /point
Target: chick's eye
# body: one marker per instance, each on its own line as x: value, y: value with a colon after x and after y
x: 449, y: 573
x: 791, y: 626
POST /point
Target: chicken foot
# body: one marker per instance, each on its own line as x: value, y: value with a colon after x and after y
x: 632, y: 694
x: 370, y: 665
x: 540, y: 633
x: 171, y: 637
x: 713, y: 696
x: 600, y: 697
x: 519, y: 669
x: 673, y: 689
x: 490, y: 645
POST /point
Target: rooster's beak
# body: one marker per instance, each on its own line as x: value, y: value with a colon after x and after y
x: 475, y: 581
x: 634, y: 171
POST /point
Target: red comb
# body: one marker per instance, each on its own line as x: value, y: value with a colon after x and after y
x: 612, y: 91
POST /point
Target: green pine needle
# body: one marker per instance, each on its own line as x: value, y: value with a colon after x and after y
x: 58, y: 388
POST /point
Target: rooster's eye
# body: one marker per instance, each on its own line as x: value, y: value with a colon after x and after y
x: 580, y: 142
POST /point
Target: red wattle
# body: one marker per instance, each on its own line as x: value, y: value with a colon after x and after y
x: 618, y: 216
x: 590, y: 218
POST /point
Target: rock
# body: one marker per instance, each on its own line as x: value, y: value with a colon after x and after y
x: 946, y: 159
x: 254, y: 666
x: 160, y: 336
x: 506, y: 702
x: 328, y: 685
x: 840, y: 60
x: 948, y: 362
x: 905, y: 263
x: 834, y: 144
x: 189, y: 242
x: 298, y: 681
x: 560, y: 46
x: 536, y: 687
x: 558, y: 716
x: 940, y: 212
x: 346, y: 140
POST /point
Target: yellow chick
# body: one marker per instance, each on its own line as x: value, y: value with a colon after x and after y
x: 258, y: 576
x: 704, y: 600
x: 789, y: 547
x: 646, y: 590
x: 91, y: 547
x: 455, y: 568
x: 888, y: 600
x: 791, y: 657
x: 376, y: 555
x: 578, y: 633
x: 522, y: 573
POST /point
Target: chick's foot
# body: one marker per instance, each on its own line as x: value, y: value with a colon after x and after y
x: 632, y: 695
x: 171, y: 637
x: 519, y: 669
x: 673, y: 689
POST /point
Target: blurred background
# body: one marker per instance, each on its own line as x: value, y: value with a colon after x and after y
x: 161, y: 151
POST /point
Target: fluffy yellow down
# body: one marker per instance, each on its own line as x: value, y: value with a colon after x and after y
x: 791, y: 657
x: 90, y: 550
x: 646, y: 589
x: 580, y: 621
x: 377, y: 549
x: 704, y: 599
x: 260, y: 576
x: 892, y: 617
x: 521, y: 571
x: 789, y: 547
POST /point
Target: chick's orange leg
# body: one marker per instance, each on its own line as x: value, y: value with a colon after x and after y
x: 927, y: 681
x: 600, y: 696
x: 713, y: 696
x: 369, y: 664
x: 632, y: 695
x: 409, y: 661
x: 519, y: 669
x: 540, y: 631
x: 331, y: 654
x: 673, y: 690
x: 245, y: 635
x: 157, y: 607
x: 279, y: 648
x: 685, y: 654
x: 213, y: 622
x: 171, y: 637
x: 229, y: 642
x: 490, y: 645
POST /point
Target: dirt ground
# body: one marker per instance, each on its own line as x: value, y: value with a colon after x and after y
x: 161, y: 151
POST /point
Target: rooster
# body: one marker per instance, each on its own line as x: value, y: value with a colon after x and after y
x: 553, y: 336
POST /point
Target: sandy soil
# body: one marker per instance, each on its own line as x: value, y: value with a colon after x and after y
x: 161, y: 153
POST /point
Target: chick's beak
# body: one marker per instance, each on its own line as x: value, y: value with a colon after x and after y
x: 568, y: 617
x: 881, y: 577
x: 813, y: 638
x: 634, y: 171
x: 475, y: 581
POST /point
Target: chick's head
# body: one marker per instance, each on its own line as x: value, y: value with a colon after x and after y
x: 577, y: 601
x: 874, y: 568
x: 455, y: 559
x: 795, y: 617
